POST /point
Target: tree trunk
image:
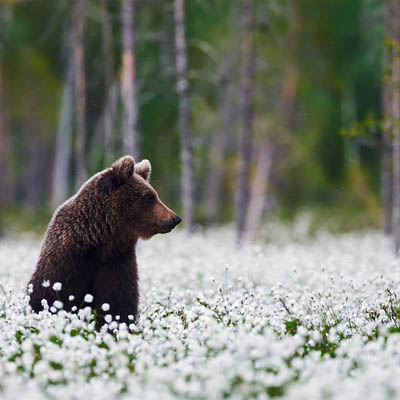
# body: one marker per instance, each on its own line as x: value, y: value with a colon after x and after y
x: 111, y: 97
x: 395, y: 28
x: 184, y: 116
x: 128, y: 81
x: 387, y: 159
x: 4, y: 178
x: 217, y: 150
x: 259, y: 188
x: 79, y: 12
x: 4, y: 181
x: 291, y: 74
x: 242, y: 197
x: 3, y: 189
x: 63, y: 140
x: 3, y: 142
x: 109, y: 112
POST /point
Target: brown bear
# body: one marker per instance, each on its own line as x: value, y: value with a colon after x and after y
x: 90, y: 242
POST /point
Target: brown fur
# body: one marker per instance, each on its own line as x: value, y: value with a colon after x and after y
x: 90, y: 242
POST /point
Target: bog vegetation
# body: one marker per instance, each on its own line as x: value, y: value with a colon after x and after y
x: 244, y: 108
x: 296, y: 318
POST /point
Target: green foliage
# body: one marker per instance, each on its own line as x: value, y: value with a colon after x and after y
x: 337, y: 100
x: 291, y: 326
x: 19, y: 219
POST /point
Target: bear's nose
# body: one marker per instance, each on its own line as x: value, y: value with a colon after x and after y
x: 177, y: 220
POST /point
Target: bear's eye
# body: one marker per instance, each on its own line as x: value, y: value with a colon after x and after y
x: 149, y: 198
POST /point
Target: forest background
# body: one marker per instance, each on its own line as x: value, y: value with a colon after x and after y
x: 304, y: 80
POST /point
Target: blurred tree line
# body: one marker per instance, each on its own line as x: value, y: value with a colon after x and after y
x: 267, y: 100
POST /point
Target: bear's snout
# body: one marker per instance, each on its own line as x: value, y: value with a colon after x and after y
x: 177, y: 220
x: 171, y: 224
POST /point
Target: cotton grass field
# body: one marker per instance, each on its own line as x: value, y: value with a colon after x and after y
x: 290, y: 316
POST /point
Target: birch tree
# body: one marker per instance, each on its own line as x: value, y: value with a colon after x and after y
x: 291, y: 74
x: 242, y: 197
x: 79, y: 11
x: 63, y: 140
x: 4, y: 187
x: 184, y: 116
x: 395, y: 31
x: 220, y: 139
x: 128, y: 81
x: 3, y: 140
x: 387, y: 159
x: 110, y: 88
x: 267, y: 148
x: 259, y: 187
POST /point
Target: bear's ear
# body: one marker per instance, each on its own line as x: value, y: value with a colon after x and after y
x: 124, y: 167
x: 143, y: 169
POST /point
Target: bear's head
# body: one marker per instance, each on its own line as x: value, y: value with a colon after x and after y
x: 139, y: 211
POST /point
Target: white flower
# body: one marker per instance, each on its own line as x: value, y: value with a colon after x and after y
x: 46, y: 283
x: 58, y: 304
x: 88, y: 298
x: 114, y: 325
x: 184, y: 320
x: 108, y: 318
x: 57, y: 286
x: 71, y: 298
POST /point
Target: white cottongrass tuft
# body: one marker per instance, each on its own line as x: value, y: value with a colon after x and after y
x: 293, y: 317
x: 57, y: 286
x: 58, y: 304
x: 88, y: 298
x: 108, y: 318
x: 46, y: 283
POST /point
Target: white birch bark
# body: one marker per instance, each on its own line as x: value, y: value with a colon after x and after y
x: 387, y: 159
x: 128, y: 81
x: 242, y: 197
x: 184, y: 117
x: 63, y: 141
x: 220, y: 141
x: 110, y: 89
x: 395, y: 27
x: 3, y: 144
x: 259, y: 188
x: 79, y: 12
